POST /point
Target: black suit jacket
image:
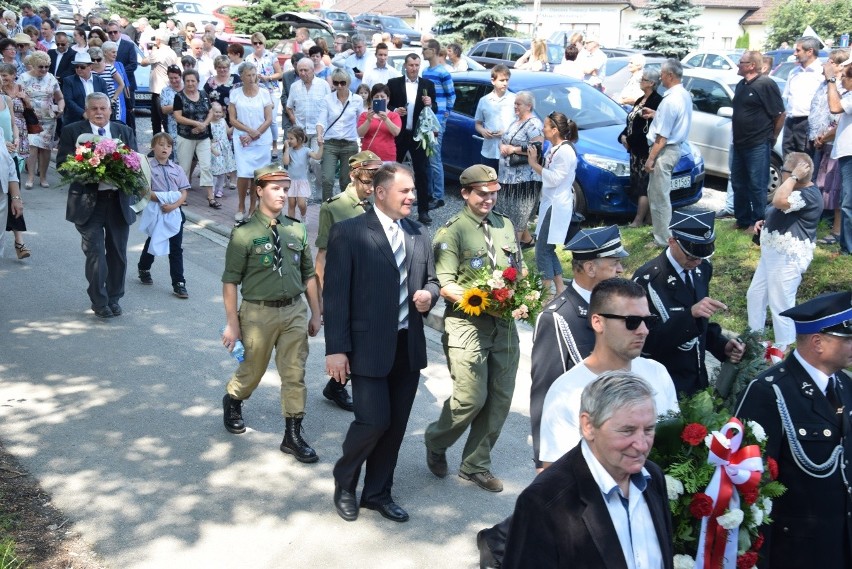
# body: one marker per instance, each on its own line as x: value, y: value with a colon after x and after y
x: 75, y: 96
x: 361, y: 293
x: 126, y: 54
x: 66, y: 64
x: 674, y: 342
x: 810, y: 521
x: 398, y: 98
x: 83, y: 197
x: 561, y: 520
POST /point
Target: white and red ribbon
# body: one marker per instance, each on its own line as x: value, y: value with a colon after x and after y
x: 736, y: 469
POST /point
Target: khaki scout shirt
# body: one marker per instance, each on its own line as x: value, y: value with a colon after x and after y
x: 460, y: 246
x: 250, y: 254
x: 344, y: 205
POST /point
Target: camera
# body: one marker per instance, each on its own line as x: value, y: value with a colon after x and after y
x: 538, y: 148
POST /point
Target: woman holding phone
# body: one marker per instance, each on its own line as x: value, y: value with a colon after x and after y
x: 340, y: 133
x: 378, y: 127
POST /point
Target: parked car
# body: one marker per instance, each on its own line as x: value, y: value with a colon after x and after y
x: 561, y: 37
x: 781, y: 55
x: 142, y: 95
x: 62, y: 12
x: 368, y: 24
x: 724, y: 60
x: 223, y: 13
x: 183, y: 12
x: 396, y: 57
x: 317, y: 27
x: 493, y: 51
x: 341, y: 21
x: 712, y: 95
x: 617, y: 74
x: 628, y: 51
x: 603, y: 169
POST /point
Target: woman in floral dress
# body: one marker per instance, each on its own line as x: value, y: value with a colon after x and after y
x: 46, y: 99
x: 8, y: 87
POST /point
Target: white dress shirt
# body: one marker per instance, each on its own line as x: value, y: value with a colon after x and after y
x: 411, y: 100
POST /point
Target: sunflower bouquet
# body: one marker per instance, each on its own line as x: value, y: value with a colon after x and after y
x: 102, y: 159
x: 506, y: 294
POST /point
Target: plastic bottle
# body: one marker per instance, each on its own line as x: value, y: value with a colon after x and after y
x: 239, y: 351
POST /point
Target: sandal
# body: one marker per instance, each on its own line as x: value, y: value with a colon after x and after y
x: 528, y: 244
x: 830, y: 239
x: 44, y: 184
x: 22, y: 250
x: 28, y: 185
x: 213, y: 203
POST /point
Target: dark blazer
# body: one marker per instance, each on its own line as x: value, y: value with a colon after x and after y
x: 361, y: 294
x: 563, y: 338
x: 83, y: 197
x: 75, y: 96
x: 66, y: 64
x: 674, y: 342
x: 810, y: 521
x: 562, y: 522
x: 398, y: 98
x: 126, y: 54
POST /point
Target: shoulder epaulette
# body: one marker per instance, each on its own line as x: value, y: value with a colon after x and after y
x: 334, y: 197
x: 292, y: 219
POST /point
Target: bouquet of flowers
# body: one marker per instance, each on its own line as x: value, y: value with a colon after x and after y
x: 505, y: 293
x: 426, y: 129
x: 720, y: 484
x: 100, y: 159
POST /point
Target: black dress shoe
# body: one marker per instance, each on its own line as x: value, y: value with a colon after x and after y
x: 391, y: 511
x: 435, y: 204
x: 437, y: 463
x: 424, y: 219
x: 115, y: 308
x: 335, y: 392
x: 344, y: 501
x: 103, y: 312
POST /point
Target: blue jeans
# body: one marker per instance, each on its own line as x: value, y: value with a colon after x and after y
x: 546, y: 260
x: 750, y: 178
x: 845, y: 163
x: 437, y: 165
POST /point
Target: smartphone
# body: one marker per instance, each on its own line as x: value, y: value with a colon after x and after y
x: 380, y: 105
x: 356, y: 70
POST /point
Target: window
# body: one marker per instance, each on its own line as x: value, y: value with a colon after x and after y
x: 495, y: 50
x: 516, y: 51
x: 478, y: 51
x: 714, y: 61
x: 708, y: 96
x: 695, y: 60
x: 467, y: 97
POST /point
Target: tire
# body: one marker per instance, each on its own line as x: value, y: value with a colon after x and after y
x: 579, y: 200
x: 775, y: 165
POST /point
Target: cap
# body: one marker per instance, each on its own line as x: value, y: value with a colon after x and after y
x: 695, y: 232
x: 271, y: 172
x: 479, y: 176
x: 367, y: 160
x: 829, y: 313
x: 596, y: 243
x: 22, y: 38
x: 82, y: 57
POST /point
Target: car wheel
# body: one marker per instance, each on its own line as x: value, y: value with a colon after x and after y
x: 579, y: 200
x: 775, y: 166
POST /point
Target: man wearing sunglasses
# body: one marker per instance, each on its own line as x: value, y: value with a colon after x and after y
x: 77, y: 87
x: 61, y: 58
x: 678, y: 286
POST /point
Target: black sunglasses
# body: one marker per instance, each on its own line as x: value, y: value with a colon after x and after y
x: 633, y: 322
x: 61, y: 44
x: 339, y: 83
x: 81, y: 67
x: 97, y: 59
x: 43, y: 66
x: 257, y: 43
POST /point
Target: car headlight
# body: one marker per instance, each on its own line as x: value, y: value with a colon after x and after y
x: 617, y: 167
x: 696, y: 153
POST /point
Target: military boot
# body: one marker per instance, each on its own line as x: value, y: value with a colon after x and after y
x: 233, y: 415
x: 293, y: 442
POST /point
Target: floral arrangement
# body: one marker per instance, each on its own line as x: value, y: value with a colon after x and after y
x: 720, y: 484
x: 99, y: 159
x: 731, y: 379
x: 507, y: 294
x: 427, y: 126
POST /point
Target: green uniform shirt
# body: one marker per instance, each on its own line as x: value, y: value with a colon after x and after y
x: 250, y: 254
x: 344, y: 205
x: 460, y: 245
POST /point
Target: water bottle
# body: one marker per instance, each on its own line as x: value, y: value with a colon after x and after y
x: 239, y: 351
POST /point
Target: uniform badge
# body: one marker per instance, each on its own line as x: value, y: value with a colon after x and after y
x: 476, y: 263
x: 266, y: 260
x: 671, y: 281
x: 267, y: 247
x: 295, y: 257
x: 258, y: 250
x: 260, y: 240
x: 698, y: 271
x: 444, y: 246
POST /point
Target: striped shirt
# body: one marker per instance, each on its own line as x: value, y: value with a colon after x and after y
x: 445, y: 91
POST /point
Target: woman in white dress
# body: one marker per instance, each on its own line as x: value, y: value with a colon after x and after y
x: 250, y: 111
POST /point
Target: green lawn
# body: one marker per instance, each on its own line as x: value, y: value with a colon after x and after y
x: 733, y: 266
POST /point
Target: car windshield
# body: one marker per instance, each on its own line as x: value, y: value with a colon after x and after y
x: 613, y: 66
x: 735, y: 56
x: 583, y: 104
x: 395, y: 23
x: 339, y: 16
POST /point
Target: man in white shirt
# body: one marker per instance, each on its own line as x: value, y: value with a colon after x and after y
x: 305, y: 106
x: 382, y: 71
x: 592, y: 60
x: 495, y: 112
x: 356, y: 61
x: 203, y: 62
x: 799, y: 91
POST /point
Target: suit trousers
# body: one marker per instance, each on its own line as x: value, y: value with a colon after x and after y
x: 405, y: 144
x: 105, y: 246
x: 659, y: 190
x: 382, y: 407
x: 286, y: 330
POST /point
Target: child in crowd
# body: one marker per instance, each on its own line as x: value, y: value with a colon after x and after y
x: 222, y: 163
x: 295, y: 159
x: 364, y: 91
x: 163, y: 218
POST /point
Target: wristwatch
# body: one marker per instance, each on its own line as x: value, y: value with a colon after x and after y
x: 832, y: 80
x: 794, y: 177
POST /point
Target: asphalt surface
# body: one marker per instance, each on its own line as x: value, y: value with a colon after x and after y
x: 121, y: 421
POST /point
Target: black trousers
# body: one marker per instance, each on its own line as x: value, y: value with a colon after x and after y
x: 146, y: 261
x: 795, y: 135
x: 105, y: 246
x: 405, y: 143
x: 157, y: 118
x: 382, y: 407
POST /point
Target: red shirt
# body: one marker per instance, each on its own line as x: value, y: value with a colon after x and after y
x: 378, y: 138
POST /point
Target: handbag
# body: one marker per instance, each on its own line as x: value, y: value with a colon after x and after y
x: 518, y: 159
x: 33, y: 126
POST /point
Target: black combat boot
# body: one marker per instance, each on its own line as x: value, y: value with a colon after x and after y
x: 233, y: 415
x: 293, y: 442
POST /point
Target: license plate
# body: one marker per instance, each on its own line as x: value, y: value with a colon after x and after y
x: 147, y: 97
x: 681, y: 182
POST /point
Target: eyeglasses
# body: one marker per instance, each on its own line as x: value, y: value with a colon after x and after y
x: 97, y: 59
x: 43, y: 66
x: 339, y: 83
x: 744, y: 62
x: 257, y: 43
x: 365, y: 179
x: 632, y: 322
x: 783, y: 171
x: 81, y: 67
x: 61, y: 44
x: 114, y: 32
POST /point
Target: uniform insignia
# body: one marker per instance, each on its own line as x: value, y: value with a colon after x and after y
x: 292, y: 246
x: 267, y: 247
x: 671, y: 281
x: 698, y: 271
x: 444, y: 246
x: 647, y: 277
x: 708, y: 234
x: 266, y: 260
x: 295, y: 257
x: 583, y: 311
x: 260, y: 240
x: 476, y: 263
x: 676, y: 309
x: 769, y: 378
x: 292, y: 218
x: 257, y: 250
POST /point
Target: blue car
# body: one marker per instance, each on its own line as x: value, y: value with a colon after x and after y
x: 603, y: 169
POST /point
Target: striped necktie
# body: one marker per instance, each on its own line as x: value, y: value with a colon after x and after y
x: 489, y: 243
x: 399, y: 256
x: 276, y: 241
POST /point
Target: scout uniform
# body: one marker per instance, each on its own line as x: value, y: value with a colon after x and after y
x: 482, y: 351
x: 806, y: 412
x: 272, y: 313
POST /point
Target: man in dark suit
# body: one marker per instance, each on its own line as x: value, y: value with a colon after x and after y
x: 126, y: 54
x: 570, y: 516
x: 101, y: 212
x: 408, y: 103
x: 809, y: 392
x: 61, y: 58
x: 380, y: 284
x: 678, y: 283
x: 77, y: 87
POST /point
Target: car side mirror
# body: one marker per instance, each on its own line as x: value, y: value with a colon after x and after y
x: 725, y: 112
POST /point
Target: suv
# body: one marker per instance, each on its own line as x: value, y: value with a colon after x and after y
x: 342, y: 22
x: 368, y: 24
x: 493, y: 51
x: 718, y: 60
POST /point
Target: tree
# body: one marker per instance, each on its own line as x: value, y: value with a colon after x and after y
x: 788, y: 21
x: 258, y: 17
x: 667, y: 28
x: 155, y: 10
x: 475, y: 20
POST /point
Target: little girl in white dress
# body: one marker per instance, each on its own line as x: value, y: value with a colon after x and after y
x: 222, y: 163
x: 295, y: 159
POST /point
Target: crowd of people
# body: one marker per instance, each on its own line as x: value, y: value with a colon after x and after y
x: 609, y: 354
